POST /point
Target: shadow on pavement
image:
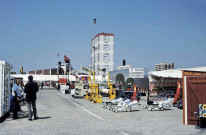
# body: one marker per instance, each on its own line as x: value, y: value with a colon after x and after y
x: 48, y: 117
x: 135, y: 110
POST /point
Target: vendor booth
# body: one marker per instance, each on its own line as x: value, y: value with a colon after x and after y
x: 166, y: 78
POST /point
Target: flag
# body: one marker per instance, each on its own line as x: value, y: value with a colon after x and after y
x: 85, y: 69
x: 94, y: 20
x: 66, y: 59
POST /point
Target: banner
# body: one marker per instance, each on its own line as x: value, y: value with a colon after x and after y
x: 85, y: 69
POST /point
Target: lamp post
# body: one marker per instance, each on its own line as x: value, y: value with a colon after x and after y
x: 59, y: 70
x: 94, y: 22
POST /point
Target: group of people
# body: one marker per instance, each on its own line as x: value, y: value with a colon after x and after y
x: 31, y: 88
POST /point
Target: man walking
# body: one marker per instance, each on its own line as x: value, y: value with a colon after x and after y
x: 31, y: 89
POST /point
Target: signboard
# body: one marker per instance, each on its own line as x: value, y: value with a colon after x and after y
x: 202, y: 110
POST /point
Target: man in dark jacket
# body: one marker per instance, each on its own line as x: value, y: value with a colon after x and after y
x: 31, y: 89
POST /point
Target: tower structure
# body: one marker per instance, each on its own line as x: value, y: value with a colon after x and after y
x: 102, y: 52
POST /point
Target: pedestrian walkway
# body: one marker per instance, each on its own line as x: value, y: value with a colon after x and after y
x: 62, y: 114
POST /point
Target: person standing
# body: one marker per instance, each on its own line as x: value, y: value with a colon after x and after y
x: 16, y: 98
x: 31, y: 88
x: 42, y: 84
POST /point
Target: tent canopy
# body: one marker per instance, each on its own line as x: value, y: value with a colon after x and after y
x: 170, y: 73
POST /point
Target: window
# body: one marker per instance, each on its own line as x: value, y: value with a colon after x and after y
x: 106, y: 47
x: 106, y: 57
x: 106, y: 39
x: 107, y: 67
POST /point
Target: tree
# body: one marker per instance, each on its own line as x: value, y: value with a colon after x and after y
x: 130, y: 81
x: 119, y: 78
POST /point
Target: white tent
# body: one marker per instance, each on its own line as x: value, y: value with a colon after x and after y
x: 41, y: 78
x: 170, y: 73
x: 169, y: 77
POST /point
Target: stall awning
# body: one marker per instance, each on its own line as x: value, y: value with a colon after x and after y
x: 170, y: 73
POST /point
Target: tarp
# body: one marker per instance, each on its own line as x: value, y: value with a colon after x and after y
x: 198, y: 69
x: 175, y: 73
x: 170, y: 73
x: 42, y: 77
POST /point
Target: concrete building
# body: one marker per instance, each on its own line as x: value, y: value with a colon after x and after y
x: 139, y: 75
x: 163, y: 66
x: 102, y: 52
x: 52, y: 71
x: 135, y: 72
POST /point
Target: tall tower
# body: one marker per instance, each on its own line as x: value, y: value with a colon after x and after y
x: 102, y: 52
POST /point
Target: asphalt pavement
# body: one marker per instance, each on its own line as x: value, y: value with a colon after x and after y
x: 61, y: 114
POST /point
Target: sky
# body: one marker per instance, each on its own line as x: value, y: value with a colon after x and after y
x: 146, y: 32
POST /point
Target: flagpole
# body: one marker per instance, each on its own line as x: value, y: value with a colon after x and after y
x: 58, y: 56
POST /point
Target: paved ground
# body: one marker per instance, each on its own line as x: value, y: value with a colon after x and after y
x: 61, y: 114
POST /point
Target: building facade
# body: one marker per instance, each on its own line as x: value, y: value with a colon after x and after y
x: 135, y: 72
x: 139, y: 75
x: 102, y: 52
x: 163, y: 66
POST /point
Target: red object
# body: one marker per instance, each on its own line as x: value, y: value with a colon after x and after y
x: 129, y: 88
x: 177, y: 95
x: 72, y: 86
x: 135, y: 92
x: 66, y: 59
x: 62, y: 80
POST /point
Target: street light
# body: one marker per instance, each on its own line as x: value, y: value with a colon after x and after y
x: 94, y: 22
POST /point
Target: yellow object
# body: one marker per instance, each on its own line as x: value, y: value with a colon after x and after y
x: 204, y: 106
x: 92, y: 88
x: 87, y: 95
x: 112, y: 92
x: 97, y: 98
x: 94, y: 95
x: 204, y: 115
x: 21, y: 70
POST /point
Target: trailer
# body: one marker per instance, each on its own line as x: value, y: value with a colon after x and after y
x: 125, y: 99
x: 109, y: 104
x: 5, y: 89
x: 160, y: 103
x: 127, y: 106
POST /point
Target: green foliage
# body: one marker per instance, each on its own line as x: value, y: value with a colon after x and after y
x: 119, y: 78
x: 130, y: 81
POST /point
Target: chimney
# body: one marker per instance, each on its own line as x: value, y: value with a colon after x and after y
x: 173, y: 65
x: 124, y: 62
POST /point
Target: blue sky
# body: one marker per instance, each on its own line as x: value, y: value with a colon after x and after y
x: 147, y: 32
